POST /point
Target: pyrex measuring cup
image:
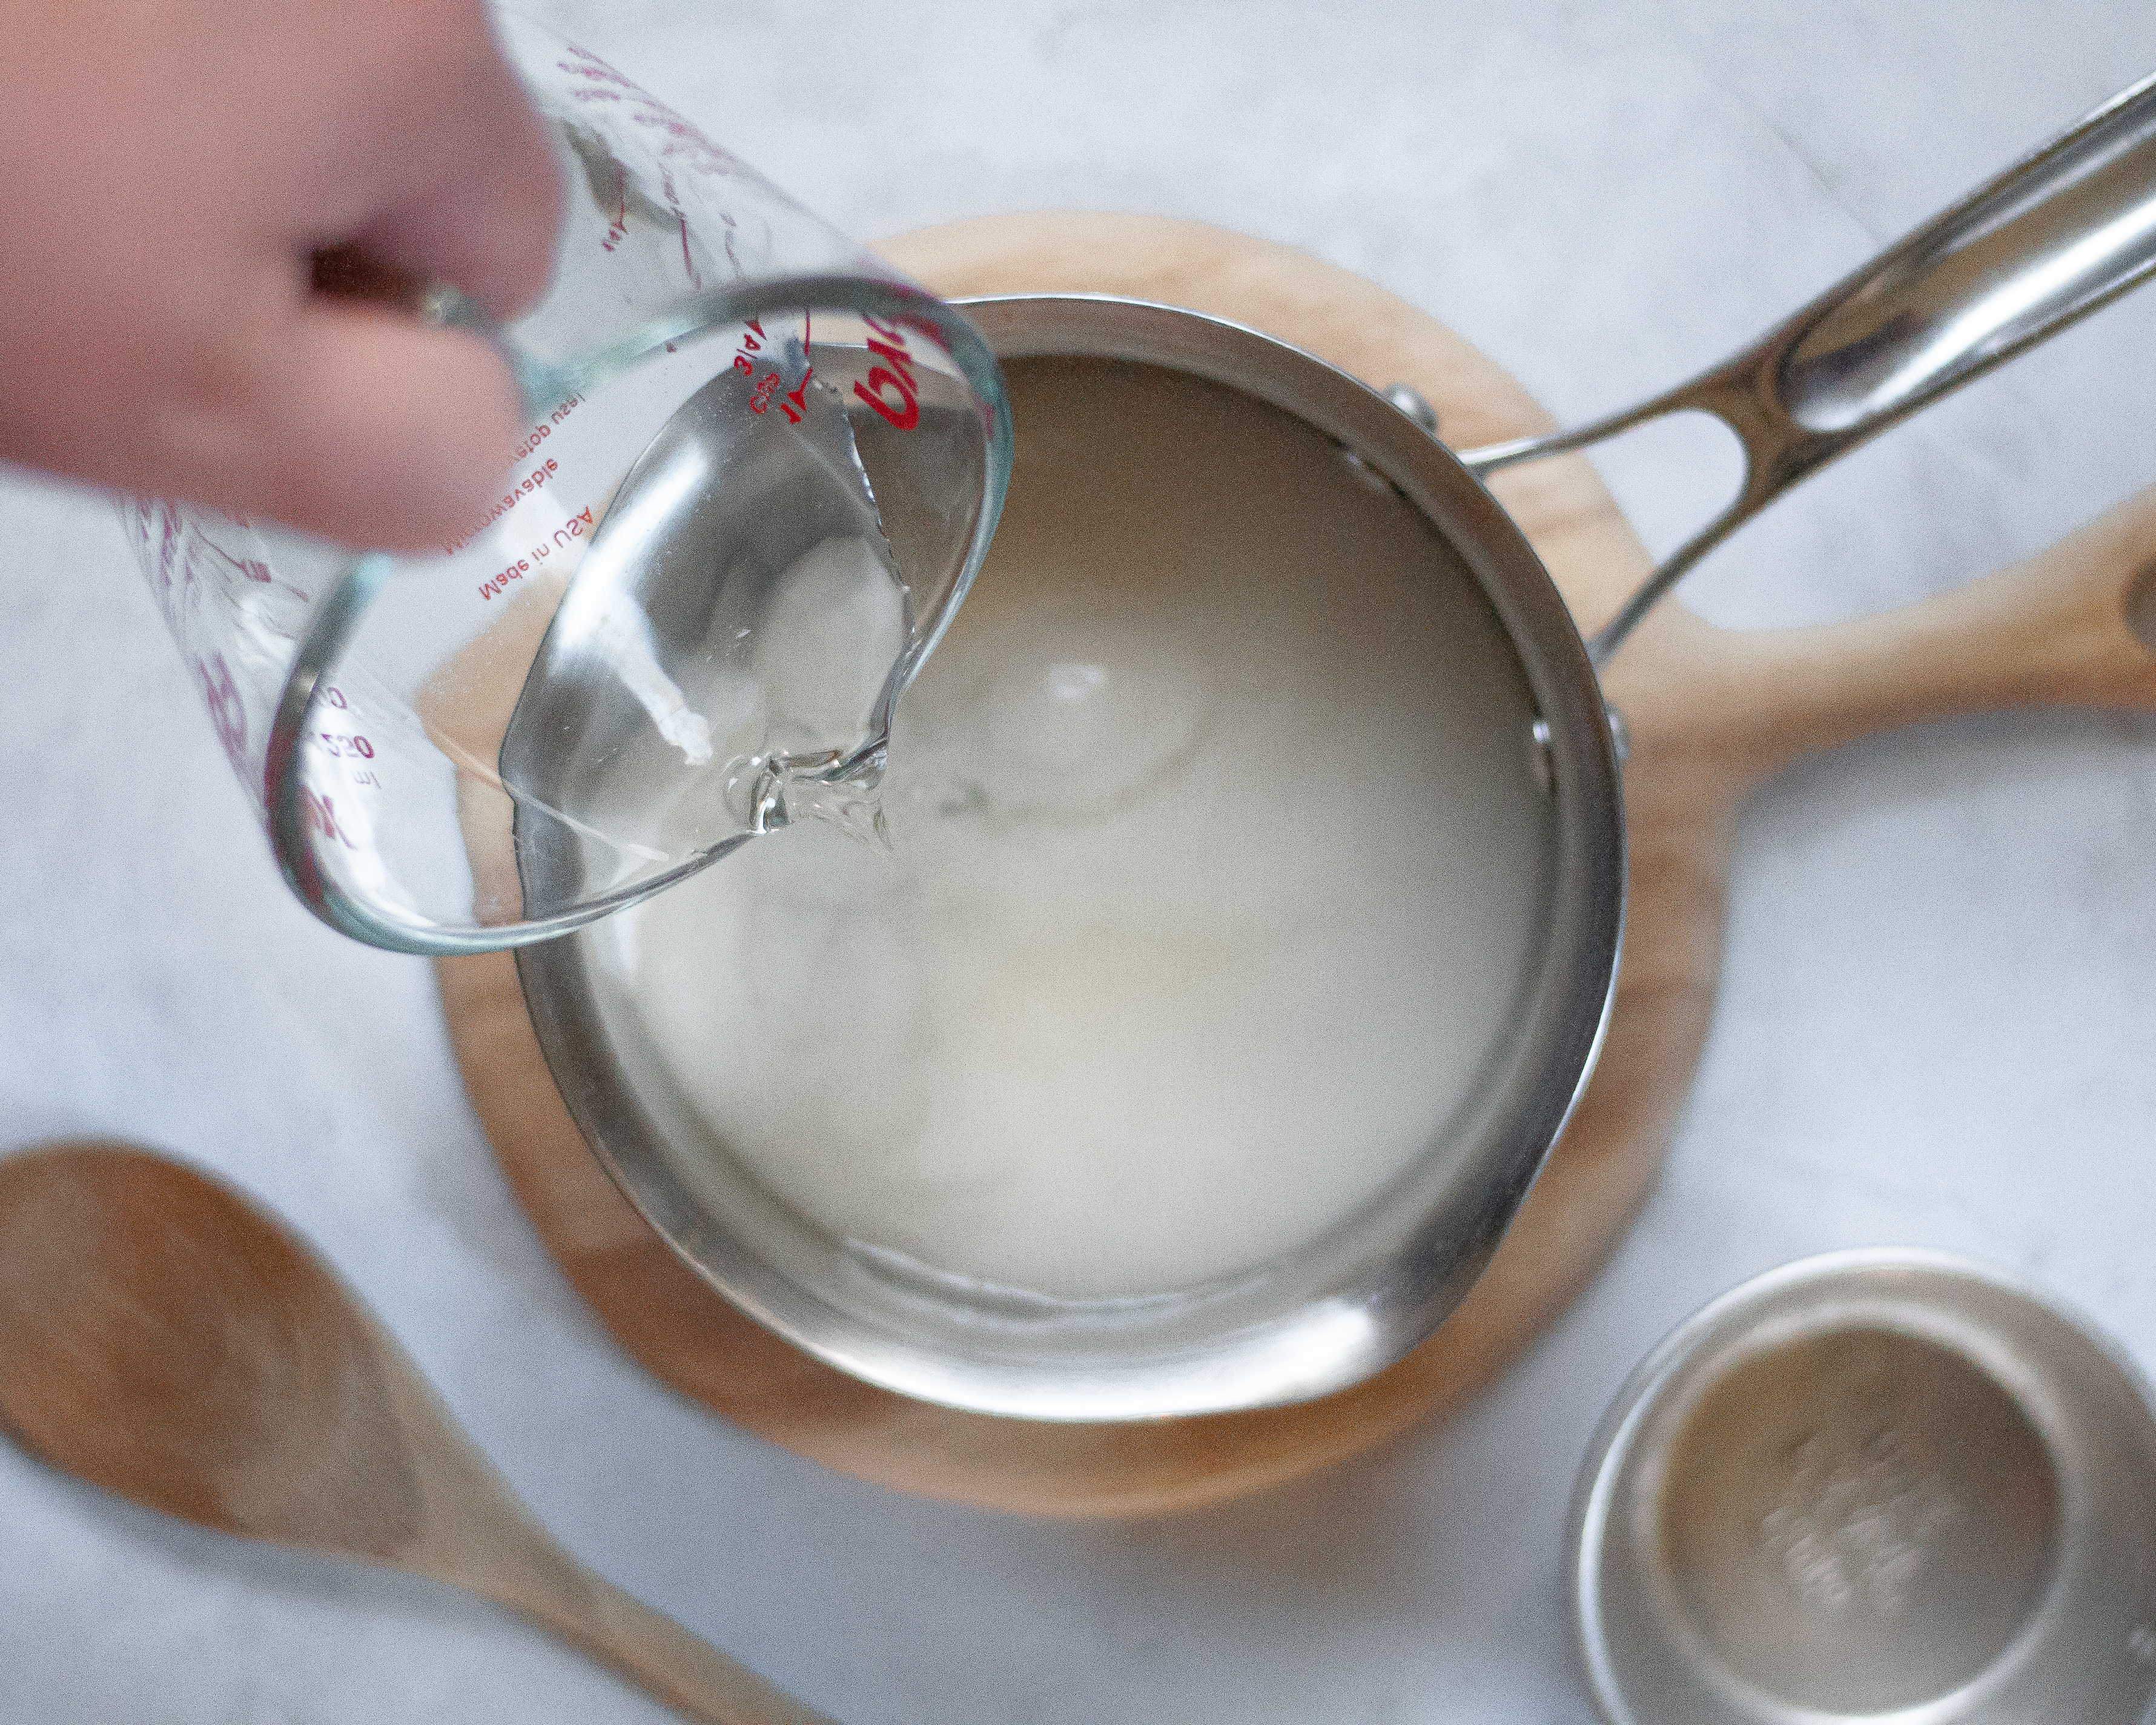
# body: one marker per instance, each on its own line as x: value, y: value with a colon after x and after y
x: 771, y: 464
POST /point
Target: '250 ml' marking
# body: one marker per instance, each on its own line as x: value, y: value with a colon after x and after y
x: 795, y: 403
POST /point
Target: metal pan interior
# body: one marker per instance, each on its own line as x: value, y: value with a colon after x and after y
x: 1372, y: 1282
x: 1871, y: 1486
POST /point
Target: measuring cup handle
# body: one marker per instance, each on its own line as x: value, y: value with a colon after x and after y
x: 2063, y: 232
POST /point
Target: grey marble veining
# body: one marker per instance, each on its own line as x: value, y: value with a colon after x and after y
x: 1939, y: 998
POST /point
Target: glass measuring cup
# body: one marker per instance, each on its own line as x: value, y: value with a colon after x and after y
x: 759, y: 471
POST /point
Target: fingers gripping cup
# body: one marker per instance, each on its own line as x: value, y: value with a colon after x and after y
x: 759, y: 472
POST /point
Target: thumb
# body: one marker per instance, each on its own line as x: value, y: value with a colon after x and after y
x: 479, y: 198
x: 373, y: 429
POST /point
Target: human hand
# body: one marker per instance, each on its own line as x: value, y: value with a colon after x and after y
x: 170, y: 169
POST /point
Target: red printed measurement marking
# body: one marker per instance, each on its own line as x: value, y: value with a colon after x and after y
x: 348, y: 747
x: 891, y: 388
x: 679, y: 139
x: 618, y: 229
x: 157, y: 529
x: 535, y: 479
x: 766, y: 389
x: 252, y: 567
x: 228, y: 713
x: 575, y: 528
x: 795, y: 402
x: 318, y: 814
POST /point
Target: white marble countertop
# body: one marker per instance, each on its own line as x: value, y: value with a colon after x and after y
x: 1939, y: 1005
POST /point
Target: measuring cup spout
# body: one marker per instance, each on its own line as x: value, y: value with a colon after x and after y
x: 2065, y: 230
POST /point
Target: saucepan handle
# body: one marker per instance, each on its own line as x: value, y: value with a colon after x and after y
x: 2061, y: 232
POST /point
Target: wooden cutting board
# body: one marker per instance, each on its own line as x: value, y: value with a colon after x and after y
x: 1711, y: 714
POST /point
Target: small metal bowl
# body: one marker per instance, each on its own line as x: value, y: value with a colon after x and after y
x: 1870, y: 1485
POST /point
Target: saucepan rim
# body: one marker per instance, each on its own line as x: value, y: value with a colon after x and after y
x: 1372, y: 1288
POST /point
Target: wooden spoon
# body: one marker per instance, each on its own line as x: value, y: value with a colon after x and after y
x: 163, y: 1338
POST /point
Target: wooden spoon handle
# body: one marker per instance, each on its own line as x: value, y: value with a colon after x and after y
x: 472, y: 1533
x: 479, y: 1537
x: 2074, y: 626
x: 658, y: 1655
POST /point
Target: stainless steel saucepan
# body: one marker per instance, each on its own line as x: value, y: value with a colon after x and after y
x: 2057, y: 235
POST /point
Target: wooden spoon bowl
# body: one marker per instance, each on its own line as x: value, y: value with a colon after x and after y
x: 163, y: 1338
x: 1711, y: 714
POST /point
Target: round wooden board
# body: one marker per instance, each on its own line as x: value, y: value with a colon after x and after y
x: 689, y: 1336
